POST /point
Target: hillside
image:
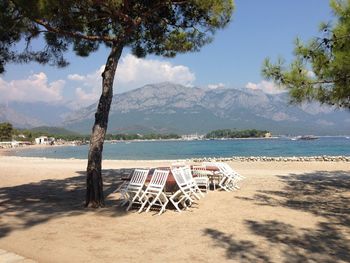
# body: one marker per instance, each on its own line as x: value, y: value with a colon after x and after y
x: 18, y: 119
x: 33, y: 114
x: 53, y: 130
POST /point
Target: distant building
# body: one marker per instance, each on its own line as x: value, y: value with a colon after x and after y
x: 268, y: 135
x: 190, y: 137
x: 44, y: 140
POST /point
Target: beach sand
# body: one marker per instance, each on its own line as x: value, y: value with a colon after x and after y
x: 284, y: 212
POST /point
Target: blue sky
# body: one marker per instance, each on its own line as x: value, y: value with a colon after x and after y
x: 259, y: 29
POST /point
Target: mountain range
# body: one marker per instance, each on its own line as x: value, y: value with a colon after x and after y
x: 33, y: 114
x: 168, y: 107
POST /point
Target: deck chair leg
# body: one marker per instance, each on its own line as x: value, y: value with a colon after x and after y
x: 223, y: 184
x: 174, y: 202
x: 152, y: 203
x: 200, y: 192
x: 164, y: 204
x: 143, y: 202
x: 132, y: 202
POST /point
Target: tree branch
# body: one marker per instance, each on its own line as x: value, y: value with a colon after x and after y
x: 75, y: 34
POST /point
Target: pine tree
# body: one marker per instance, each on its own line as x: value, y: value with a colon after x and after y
x: 161, y: 27
x: 6, y: 131
x: 321, y: 69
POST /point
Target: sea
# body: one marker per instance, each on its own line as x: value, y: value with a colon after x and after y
x: 170, y: 150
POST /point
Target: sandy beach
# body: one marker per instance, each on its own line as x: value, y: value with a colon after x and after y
x: 284, y: 212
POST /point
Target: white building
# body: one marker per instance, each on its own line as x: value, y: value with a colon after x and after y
x: 44, y: 140
x: 191, y: 137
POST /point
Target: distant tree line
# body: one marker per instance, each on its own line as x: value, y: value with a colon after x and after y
x: 229, y: 133
x: 152, y: 136
x: 6, y: 131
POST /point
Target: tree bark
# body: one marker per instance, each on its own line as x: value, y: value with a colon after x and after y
x: 94, y: 182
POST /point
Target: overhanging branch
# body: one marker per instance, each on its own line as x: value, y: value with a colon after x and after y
x: 75, y: 34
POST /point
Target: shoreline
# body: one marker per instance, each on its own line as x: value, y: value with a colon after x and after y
x: 263, y: 159
x: 7, y: 151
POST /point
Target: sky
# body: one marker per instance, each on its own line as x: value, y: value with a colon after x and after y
x: 259, y: 29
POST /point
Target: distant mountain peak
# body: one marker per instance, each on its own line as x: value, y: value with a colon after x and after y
x: 170, y: 107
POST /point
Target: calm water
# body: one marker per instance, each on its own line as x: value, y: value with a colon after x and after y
x: 159, y: 150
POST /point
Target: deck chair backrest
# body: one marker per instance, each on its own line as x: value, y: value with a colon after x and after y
x: 229, y: 168
x: 199, y: 168
x: 139, y: 177
x: 211, y: 164
x: 187, y: 173
x: 222, y: 168
x: 159, y: 178
x: 179, y: 177
x: 199, y: 171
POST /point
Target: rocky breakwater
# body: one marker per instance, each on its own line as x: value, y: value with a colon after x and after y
x: 323, y: 158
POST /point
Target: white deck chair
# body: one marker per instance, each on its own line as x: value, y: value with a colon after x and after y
x: 184, y: 193
x: 122, y: 189
x: 189, y: 178
x: 154, y: 195
x: 200, y: 175
x: 230, y: 169
x: 216, y: 176
x: 134, y: 188
x: 229, y: 178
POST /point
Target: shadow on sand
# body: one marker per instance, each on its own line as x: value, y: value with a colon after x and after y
x: 325, y: 194
x: 35, y: 203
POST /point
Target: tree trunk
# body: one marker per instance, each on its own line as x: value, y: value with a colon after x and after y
x: 94, y: 183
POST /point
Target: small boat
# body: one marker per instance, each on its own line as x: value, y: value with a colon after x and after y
x: 307, y: 137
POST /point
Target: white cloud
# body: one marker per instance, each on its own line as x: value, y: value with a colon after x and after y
x: 34, y: 88
x: 266, y: 86
x: 134, y: 72
x: 76, y: 77
x: 216, y: 86
x: 131, y: 73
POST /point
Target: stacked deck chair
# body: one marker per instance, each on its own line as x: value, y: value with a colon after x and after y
x: 134, y: 189
x: 237, y: 176
x: 183, y: 195
x: 216, y: 176
x: 200, y: 175
x: 186, y: 170
x: 228, y: 177
x: 154, y: 194
x: 122, y: 189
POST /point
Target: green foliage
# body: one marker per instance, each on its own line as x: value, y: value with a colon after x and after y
x: 6, y: 131
x: 57, y: 133
x: 321, y: 69
x: 60, y: 133
x: 152, y: 136
x: 160, y: 27
x: 228, y: 133
x: 53, y: 130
